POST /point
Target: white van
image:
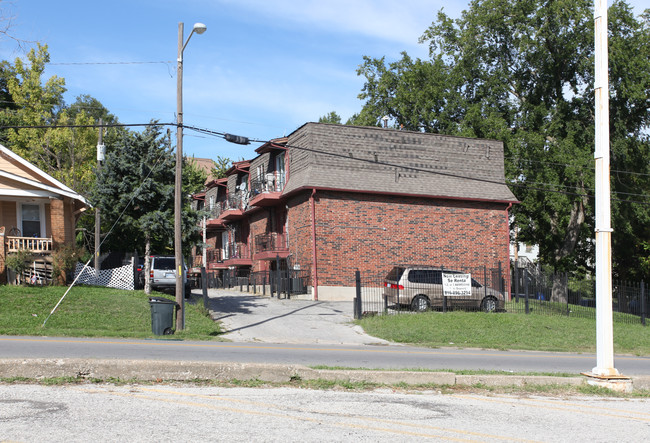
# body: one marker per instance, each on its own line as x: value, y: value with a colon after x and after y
x: 163, y: 274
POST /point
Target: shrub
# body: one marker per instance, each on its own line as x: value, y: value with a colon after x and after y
x: 19, y: 262
x: 64, y: 260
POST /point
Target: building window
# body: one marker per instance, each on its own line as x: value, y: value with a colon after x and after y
x: 31, y: 220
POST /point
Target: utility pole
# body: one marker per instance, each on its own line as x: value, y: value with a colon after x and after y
x: 101, y: 153
x: 604, y: 374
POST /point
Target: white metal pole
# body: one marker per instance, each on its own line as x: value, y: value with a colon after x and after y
x: 604, y: 326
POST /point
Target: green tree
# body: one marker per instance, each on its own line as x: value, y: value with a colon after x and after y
x: 221, y: 165
x: 68, y: 154
x: 331, y: 117
x: 522, y: 72
x: 135, y: 193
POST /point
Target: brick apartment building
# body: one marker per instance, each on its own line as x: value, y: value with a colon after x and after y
x: 331, y: 199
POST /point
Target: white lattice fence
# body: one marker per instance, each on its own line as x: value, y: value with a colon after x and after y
x: 118, y: 278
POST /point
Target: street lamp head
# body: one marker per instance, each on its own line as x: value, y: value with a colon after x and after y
x: 199, y: 28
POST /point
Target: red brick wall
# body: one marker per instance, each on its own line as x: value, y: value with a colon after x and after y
x: 372, y: 233
x: 259, y: 221
x: 59, y: 219
x: 299, y: 235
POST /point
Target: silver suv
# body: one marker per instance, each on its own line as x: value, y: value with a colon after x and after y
x: 163, y: 274
x: 420, y: 287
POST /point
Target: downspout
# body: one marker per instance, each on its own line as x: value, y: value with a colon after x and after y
x: 314, y: 266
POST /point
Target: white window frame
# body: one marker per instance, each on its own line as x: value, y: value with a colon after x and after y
x: 41, y: 216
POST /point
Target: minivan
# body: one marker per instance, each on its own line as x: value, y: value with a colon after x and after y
x: 163, y: 274
x: 420, y: 288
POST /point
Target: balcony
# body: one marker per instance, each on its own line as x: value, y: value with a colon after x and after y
x: 270, y: 246
x: 266, y: 191
x: 34, y: 244
x: 237, y: 254
x: 232, y: 208
x: 213, y: 220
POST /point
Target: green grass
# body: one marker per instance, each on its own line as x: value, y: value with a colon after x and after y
x: 92, y: 312
x: 504, y: 331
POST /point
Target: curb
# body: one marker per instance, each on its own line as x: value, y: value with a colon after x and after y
x: 150, y: 370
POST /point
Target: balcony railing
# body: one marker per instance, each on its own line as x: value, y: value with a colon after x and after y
x: 270, y: 183
x: 236, y: 251
x: 272, y: 241
x: 214, y: 255
x: 34, y: 244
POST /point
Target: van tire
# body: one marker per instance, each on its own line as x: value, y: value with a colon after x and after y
x: 489, y: 304
x: 420, y: 303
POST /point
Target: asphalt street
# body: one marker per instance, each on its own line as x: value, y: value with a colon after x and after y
x: 302, y: 332
x: 188, y: 413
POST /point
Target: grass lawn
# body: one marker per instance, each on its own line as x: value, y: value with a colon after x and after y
x: 92, y: 312
x: 504, y: 331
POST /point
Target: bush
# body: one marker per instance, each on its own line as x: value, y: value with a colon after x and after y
x: 64, y: 260
x: 19, y: 262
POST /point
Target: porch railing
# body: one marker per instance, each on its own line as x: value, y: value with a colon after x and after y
x: 268, y: 183
x: 272, y: 241
x: 34, y: 244
x: 236, y: 251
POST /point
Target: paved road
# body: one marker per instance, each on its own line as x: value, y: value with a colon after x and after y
x: 356, y: 356
x: 145, y: 413
x: 253, y: 318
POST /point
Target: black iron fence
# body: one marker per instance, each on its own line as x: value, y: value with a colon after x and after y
x: 273, y: 283
x: 420, y: 288
x: 557, y: 294
x: 409, y: 289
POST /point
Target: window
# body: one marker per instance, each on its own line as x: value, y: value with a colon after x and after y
x: 31, y: 220
x: 279, y: 168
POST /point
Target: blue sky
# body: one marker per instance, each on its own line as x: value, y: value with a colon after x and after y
x: 262, y: 69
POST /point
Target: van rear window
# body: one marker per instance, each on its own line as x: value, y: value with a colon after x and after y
x: 167, y: 264
x: 395, y: 274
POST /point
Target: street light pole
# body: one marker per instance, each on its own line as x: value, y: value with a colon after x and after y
x: 199, y: 28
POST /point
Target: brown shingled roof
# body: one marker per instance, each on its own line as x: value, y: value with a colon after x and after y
x: 378, y: 160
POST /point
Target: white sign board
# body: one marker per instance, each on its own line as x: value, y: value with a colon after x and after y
x: 457, y: 285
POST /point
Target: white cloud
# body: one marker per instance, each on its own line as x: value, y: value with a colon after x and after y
x: 400, y: 22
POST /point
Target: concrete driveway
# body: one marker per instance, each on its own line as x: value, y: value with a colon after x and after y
x: 256, y: 318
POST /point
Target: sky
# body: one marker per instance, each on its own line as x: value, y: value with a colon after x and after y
x: 261, y: 70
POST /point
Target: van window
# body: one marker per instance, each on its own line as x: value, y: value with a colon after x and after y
x: 165, y: 263
x: 430, y: 276
x: 395, y: 274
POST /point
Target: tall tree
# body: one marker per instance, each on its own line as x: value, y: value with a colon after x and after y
x: 522, y: 72
x: 135, y: 192
x: 68, y: 154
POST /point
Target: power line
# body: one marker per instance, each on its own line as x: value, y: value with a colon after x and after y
x: 347, y: 157
x: 113, y: 63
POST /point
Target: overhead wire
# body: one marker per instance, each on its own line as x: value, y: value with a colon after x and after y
x: 134, y: 194
x: 223, y: 135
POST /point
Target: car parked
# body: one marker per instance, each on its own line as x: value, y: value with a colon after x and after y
x: 420, y: 287
x: 163, y: 274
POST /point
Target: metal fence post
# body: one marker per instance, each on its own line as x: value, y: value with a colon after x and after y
x: 204, y: 286
x: 526, y: 291
x: 264, y: 284
x: 277, y: 275
x: 516, y: 283
x: 643, y: 304
x: 444, y: 297
x: 357, y: 300
x: 566, y: 285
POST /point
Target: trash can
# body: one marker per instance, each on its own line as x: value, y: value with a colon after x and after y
x: 162, y: 315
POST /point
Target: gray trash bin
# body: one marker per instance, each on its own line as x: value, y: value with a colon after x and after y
x: 162, y: 315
